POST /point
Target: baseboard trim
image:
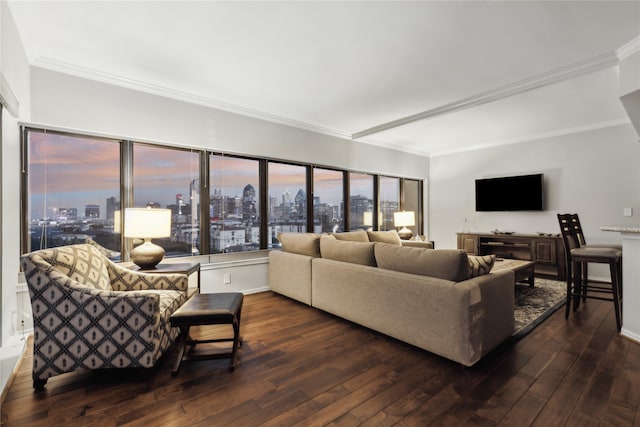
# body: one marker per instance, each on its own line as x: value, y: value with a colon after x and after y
x: 630, y: 336
x: 14, y: 371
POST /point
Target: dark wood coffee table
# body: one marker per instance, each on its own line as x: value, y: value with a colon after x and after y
x: 208, y: 309
x: 522, y: 269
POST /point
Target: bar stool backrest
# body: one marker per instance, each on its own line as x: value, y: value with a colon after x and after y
x: 577, y: 229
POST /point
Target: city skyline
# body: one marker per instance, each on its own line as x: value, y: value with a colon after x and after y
x: 58, y: 180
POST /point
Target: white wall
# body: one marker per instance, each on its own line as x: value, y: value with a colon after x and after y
x: 595, y: 174
x: 68, y: 101
x: 14, y: 68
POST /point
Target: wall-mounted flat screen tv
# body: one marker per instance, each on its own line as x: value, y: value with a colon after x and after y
x: 511, y: 193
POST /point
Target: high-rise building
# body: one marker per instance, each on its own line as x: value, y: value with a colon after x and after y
x: 67, y: 214
x: 301, y: 204
x: 179, y: 203
x: 92, y: 211
x: 113, y: 205
x: 249, y: 207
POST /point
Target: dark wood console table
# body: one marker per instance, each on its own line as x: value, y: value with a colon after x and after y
x: 546, y: 252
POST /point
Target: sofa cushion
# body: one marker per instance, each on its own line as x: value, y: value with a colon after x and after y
x: 391, y: 237
x: 347, y: 251
x: 448, y: 264
x: 480, y: 264
x: 300, y: 243
x: 352, y: 236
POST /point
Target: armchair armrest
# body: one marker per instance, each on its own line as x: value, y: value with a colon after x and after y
x: 112, y: 313
x: 123, y: 279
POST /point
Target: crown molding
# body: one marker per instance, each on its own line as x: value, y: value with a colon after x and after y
x: 394, y: 147
x: 568, y: 72
x: 114, y: 79
x: 8, y: 98
x: 543, y: 135
x: 628, y: 49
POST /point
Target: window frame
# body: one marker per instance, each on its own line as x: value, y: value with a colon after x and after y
x: 126, y: 187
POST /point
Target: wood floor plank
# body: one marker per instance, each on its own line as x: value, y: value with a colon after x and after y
x: 301, y: 366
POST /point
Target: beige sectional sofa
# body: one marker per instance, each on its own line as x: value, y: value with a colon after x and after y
x: 425, y: 297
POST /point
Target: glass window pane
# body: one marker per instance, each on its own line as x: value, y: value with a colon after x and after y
x: 234, y: 205
x: 328, y: 201
x: 389, y: 202
x: 287, y: 200
x: 360, y: 201
x: 169, y: 178
x: 73, y: 191
x: 411, y: 197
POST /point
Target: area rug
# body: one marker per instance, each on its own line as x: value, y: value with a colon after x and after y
x: 534, y: 305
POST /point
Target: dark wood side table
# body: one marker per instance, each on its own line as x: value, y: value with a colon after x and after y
x: 208, y: 309
x: 187, y: 268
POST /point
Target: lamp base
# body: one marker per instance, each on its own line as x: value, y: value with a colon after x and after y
x: 405, y: 233
x: 147, y: 255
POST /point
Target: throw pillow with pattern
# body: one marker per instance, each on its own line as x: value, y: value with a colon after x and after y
x: 479, y: 265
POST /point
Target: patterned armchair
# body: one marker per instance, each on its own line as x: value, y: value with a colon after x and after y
x: 89, y: 313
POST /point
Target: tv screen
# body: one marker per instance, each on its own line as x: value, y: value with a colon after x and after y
x: 512, y: 193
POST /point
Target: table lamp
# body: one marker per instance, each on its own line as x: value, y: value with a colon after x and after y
x: 147, y: 224
x: 404, y: 219
x: 367, y: 220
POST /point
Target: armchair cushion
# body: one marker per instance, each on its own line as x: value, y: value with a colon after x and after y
x: 82, y: 263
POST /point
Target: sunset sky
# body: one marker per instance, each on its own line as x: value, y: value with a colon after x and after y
x: 74, y: 171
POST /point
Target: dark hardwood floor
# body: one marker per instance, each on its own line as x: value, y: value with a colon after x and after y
x: 300, y: 366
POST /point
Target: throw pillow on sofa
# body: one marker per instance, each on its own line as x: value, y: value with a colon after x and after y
x: 300, y: 243
x: 352, y: 236
x: 347, y: 251
x: 447, y: 264
x: 390, y: 236
x: 480, y: 264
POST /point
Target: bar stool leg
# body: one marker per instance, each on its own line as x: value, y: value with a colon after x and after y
x: 569, y: 289
x: 615, y: 285
x: 577, y: 286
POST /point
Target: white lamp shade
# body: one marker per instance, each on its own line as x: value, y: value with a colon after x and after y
x: 146, y: 223
x: 116, y: 221
x: 367, y: 219
x: 404, y: 219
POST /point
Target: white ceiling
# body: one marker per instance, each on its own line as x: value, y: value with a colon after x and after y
x: 475, y: 73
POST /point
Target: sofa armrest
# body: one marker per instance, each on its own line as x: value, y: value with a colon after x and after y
x: 491, y: 307
x: 123, y: 279
x: 417, y: 244
x: 290, y: 275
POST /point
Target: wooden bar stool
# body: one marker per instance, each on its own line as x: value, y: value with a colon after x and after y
x: 576, y: 257
x: 577, y: 231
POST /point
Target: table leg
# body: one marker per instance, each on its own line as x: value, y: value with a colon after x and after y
x: 182, y: 345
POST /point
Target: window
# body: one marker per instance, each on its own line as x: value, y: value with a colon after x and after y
x: 73, y: 191
x: 234, y: 204
x: 75, y: 188
x: 389, y: 196
x: 328, y: 200
x: 287, y: 205
x: 168, y: 178
x: 360, y: 201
